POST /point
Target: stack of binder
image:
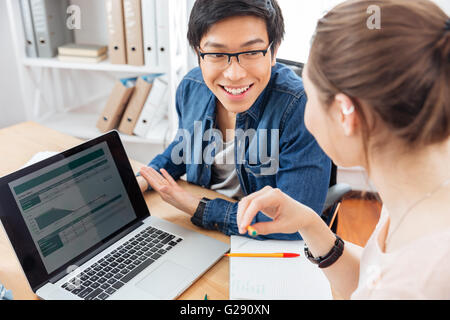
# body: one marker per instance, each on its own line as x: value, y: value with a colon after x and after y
x: 154, y: 110
x: 137, y: 105
x: 44, y: 27
x: 138, y: 32
x: 116, y: 104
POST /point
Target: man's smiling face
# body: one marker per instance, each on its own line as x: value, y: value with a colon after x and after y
x: 237, y: 87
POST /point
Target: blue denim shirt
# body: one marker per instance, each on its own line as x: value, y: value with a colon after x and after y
x: 273, y: 148
x: 5, y: 294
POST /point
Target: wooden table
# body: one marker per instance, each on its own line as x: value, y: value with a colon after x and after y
x: 20, y: 142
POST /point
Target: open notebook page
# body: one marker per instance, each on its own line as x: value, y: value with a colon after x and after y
x: 275, y: 278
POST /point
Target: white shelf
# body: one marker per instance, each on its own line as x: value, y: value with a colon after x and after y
x: 101, y: 66
x: 65, y: 100
x: 83, y: 126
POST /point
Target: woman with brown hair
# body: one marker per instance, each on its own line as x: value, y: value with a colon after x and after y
x: 379, y: 98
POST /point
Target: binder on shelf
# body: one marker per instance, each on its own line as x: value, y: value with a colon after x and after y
x: 116, y: 32
x: 115, y: 106
x: 133, y: 32
x: 155, y: 107
x: 28, y: 28
x: 158, y: 131
x: 162, y: 32
x: 50, y: 26
x: 135, y: 105
x: 149, y: 33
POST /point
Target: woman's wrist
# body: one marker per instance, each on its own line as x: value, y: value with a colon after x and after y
x: 307, y: 219
x: 316, y: 234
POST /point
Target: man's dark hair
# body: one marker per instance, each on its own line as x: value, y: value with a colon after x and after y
x: 206, y: 13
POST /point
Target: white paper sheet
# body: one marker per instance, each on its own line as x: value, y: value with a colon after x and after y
x: 275, y: 278
x: 39, y: 157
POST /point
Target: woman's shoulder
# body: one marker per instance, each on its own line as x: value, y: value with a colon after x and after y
x: 419, y: 270
x: 422, y: 268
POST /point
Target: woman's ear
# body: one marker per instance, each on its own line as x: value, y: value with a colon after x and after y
x: 347, y: 117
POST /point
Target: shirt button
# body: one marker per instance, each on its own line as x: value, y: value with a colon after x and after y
x: 216, y: 226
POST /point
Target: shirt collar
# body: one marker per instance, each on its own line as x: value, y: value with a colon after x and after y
x: 257, y: 108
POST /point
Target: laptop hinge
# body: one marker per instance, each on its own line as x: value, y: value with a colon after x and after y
x: 103, y: 247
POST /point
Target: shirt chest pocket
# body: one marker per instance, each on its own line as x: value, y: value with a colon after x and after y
x: 260, y: 175
x: 264, y: 169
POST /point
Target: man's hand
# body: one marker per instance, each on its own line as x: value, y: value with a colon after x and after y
x: 143, y: 184
x: 170, y: 191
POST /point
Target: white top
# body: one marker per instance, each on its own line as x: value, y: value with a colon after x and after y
x: 224, y: 178
x: 419, y: 270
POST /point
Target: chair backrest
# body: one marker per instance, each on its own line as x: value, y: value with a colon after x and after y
x: 294, y: 65
x: 297, y: 67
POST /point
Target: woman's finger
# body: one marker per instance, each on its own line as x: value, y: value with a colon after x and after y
x: 269, y: 227
x: 243, y: 205
x: 270, y: 199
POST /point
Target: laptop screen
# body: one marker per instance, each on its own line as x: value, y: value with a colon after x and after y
x: 73, y: 204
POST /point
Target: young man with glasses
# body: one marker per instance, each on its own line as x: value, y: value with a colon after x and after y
x: 248, y: 112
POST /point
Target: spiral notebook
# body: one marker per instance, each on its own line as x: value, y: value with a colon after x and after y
x: 275, y: 278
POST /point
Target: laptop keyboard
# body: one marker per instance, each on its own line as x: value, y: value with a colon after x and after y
x: 110, y: 273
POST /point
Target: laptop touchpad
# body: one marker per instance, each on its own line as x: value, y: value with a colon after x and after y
x: 164, y: 279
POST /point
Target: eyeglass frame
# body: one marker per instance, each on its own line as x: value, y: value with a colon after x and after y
x: 231, y: 55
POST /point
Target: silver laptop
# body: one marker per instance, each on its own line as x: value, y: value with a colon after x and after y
x: 81, y: 229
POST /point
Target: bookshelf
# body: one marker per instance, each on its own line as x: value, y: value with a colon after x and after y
x: 82, y: 124
x: 69, y: 97
x: 101, y: 66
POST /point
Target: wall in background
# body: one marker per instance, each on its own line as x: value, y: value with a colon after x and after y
x: 301, y: 19
x: 11, y: 105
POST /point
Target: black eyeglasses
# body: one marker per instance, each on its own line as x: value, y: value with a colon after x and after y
x: 221, y: 60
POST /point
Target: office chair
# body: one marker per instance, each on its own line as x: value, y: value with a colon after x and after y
x: 336, y: 191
